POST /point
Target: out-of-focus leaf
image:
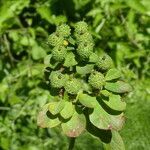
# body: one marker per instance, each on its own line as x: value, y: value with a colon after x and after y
x: 80, y: 4
x: 45, y: 12
x: 137, y: 5
x: 9, y: 9
x: 38, y: 52
x: 94, y: 12
x: 4, y: 90
x: 5, y: 143
x: 14, y: 99
x: 137, y: 54
x: 146, y: 3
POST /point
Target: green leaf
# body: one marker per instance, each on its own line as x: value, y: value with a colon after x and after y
x: 105, y: 93
x: 45, y: 13
x: 112, y: 74
x: 38, y: 52
x: 75, y: 126
x: 67, y: 111
x: 70, y: 60
x: 14, y: 99
x: 102, y: 120
x: 5, y: 143
x: 85, y: 69
x: 80, y: 4
x: 103, y: 135
x: 93, y: 58
x: 116, y: 142
x: 86, y: 87
x: 56, y: 107
x: 87, y: 101
x: 48, y: 62
x: 71, y: 40
x: 137, y: 5
x: 45, y: 121
x: 9, y: 9
x: 47, y: 59
x: 115, y: 103
x: 118, y: 87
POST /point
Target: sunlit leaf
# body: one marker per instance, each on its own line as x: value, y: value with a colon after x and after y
x: 118, y: 87
x: 103, y: 135
x: 112, y: 74
x: 70, y: 60
x: 75, y: 126
x: 115, y: 102
x: 87, y: 101
x: 38, y: 52
x: 56, y: 107
x: 102, y: 120
x: 116, y: 142
x: 137, y: 5
x: 45, y: 13
x: 85, y: 69
x: 68, y: 110
x: 105, y: 93
x: 45, y: 121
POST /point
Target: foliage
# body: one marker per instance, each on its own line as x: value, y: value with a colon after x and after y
x: 119, y: 27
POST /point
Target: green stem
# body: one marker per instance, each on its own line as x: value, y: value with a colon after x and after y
x: 71, y: 143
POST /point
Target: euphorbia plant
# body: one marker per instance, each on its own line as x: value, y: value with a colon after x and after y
x: 87, y: 89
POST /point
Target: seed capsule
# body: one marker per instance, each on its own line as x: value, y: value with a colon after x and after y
x: 96, y: 80
x: 73, y: 86
x: 59, y: 53
x: 104, y: 62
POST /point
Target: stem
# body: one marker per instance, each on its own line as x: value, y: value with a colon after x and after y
x: 7, y: 45
x: 4, y: 108
x: 71, y: 143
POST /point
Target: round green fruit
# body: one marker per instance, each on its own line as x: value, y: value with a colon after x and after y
x: 96, y: 80
x: 54, y: 39
x: 57, y: 79
x: 86, y: 37
x: 63, y: 30
x: 84, y: 50
x: 104, y: 62
x: 59, y: 53
x: 81, y: 27
x: 73, y: 86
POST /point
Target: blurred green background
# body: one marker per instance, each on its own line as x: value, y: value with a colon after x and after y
x: 119, y: 27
